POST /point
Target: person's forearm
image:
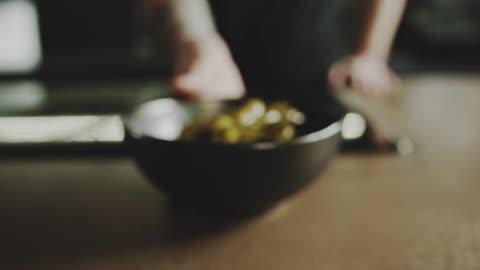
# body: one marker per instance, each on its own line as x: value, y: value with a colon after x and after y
x: 184, y: 18
x: 381, y: 27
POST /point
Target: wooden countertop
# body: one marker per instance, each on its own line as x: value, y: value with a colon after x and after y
x: 368, y: 211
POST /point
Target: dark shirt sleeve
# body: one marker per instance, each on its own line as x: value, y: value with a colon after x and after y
x: 283, y: 47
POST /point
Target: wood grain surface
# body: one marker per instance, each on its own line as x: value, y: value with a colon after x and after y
x: 368, y: 211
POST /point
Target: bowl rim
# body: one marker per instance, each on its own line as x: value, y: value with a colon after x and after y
x: 329, y: 131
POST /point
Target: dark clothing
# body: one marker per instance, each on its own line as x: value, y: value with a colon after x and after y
x: 283, y: 48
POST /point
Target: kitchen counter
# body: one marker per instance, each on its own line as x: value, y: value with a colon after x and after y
x: 367, y: 211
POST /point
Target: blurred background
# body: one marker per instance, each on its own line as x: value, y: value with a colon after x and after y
x: 71, y: 199
x: 69, y: 68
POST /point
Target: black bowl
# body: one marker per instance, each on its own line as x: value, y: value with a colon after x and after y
x: 242, y: 179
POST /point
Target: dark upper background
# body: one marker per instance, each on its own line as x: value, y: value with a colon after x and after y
x: 111, y: 38
x: 94, y: 38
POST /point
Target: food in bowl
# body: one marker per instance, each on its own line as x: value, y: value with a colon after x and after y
x: 239, y: 180
x: 253, y: 121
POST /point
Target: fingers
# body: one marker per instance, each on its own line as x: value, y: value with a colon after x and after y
x: 186, y: 84
x: 373, y: 80
x: 205, y: 70
x: 372, y: 84
x: 195, y: 79
x: 339, y: 76
x: 210, y: 82
x: 365, y: 74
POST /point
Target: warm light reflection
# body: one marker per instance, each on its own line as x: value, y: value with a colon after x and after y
x: 354, y: 126
x: 90, y: 128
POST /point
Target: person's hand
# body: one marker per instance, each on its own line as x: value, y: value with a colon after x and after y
x: 367, y: 74
x: 204, y: 69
